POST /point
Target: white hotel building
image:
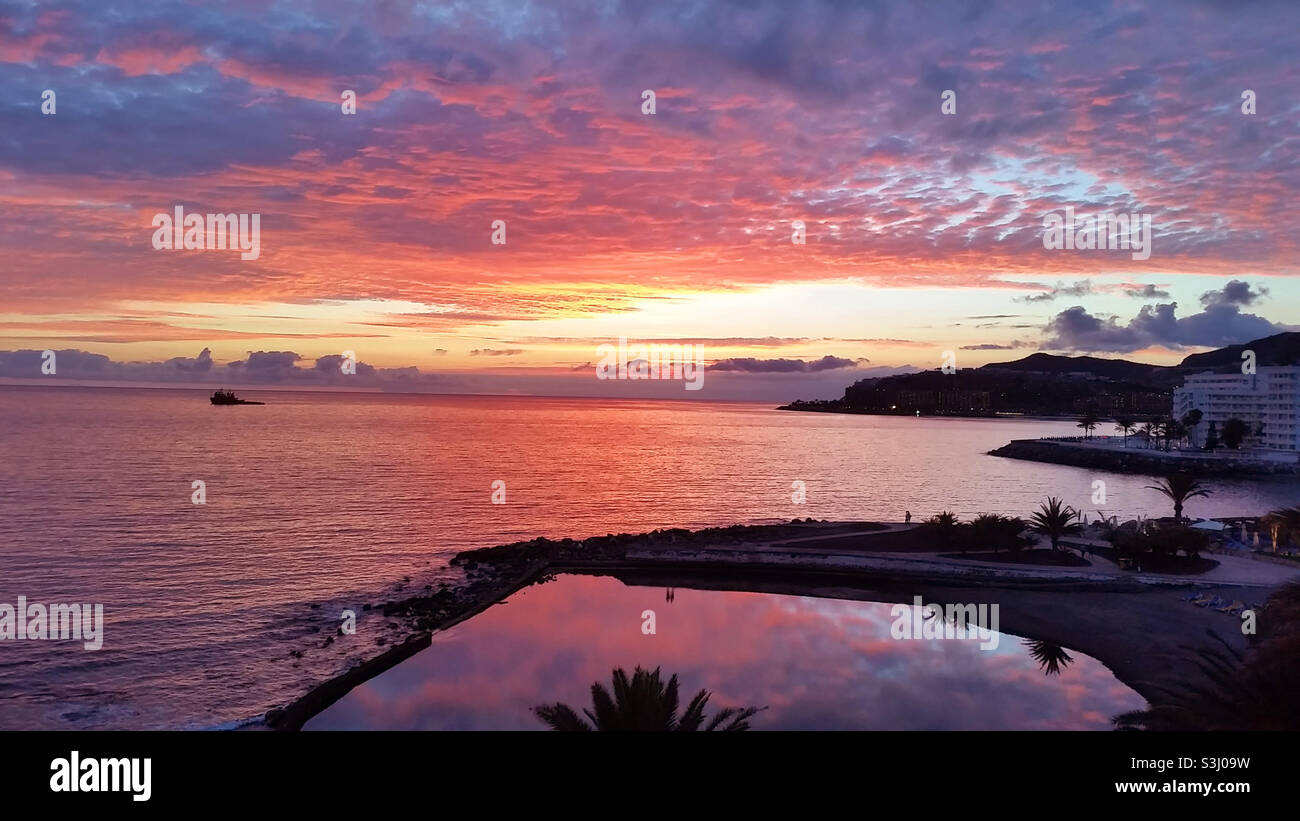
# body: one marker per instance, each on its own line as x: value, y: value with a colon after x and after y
x: 1270, y: 397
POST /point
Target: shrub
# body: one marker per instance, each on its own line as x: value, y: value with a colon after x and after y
x: 996, y: 532
x: 1153, y: 538
x: 944, y: 529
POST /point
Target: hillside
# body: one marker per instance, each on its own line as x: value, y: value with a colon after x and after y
x: 1108, y: 368
x: 1279, y: 349
x: 1047, y: 384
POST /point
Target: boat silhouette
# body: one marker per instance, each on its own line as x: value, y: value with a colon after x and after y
x: 225, y: 397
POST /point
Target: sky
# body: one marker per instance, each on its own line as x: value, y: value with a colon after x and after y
x: 504, y: 201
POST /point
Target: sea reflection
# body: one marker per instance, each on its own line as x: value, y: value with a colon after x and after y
x: 813, y: 663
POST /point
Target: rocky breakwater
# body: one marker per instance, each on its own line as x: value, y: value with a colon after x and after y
x: 1139, y: 460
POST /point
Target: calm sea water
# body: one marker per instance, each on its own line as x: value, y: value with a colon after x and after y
x: 320, y: 502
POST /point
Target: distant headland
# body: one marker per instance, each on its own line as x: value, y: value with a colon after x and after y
x: 1047, y: 385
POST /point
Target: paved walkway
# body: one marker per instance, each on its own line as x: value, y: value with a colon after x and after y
x: 1239, y: 570
x: 1232, y: 570
x: 888, y: 527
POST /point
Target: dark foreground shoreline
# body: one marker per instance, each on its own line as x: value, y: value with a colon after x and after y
x: 1135, y: 626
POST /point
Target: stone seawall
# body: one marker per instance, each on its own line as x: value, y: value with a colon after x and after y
x: 1135, y: 460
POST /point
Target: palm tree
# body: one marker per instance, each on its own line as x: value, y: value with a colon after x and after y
x: 644, y: 703
x: 1180, y: 487
x: 1212, y: 436
x: 944, y: 519
x: 993, y: 530
x: 1234, y: 430
x: 1051, y: 658
x: 1156, y: 430
x: 1088, y: 422
x: 1163, y: 428
x: 1146, y: 431
x: 1283, y: 524
x: 944, y: 528
x: 1054, y: 520
x: 1189, y: 421
x: 1174, y: 432
x: 1125, y: 424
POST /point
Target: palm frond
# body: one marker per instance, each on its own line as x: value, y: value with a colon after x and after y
x: 561, y: 717
x: 643, y: 702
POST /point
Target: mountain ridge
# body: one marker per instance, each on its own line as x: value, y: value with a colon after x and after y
x: 1278, y: 349
x: 1044, y: 384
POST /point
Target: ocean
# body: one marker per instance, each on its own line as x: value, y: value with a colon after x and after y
x: 316, y: 503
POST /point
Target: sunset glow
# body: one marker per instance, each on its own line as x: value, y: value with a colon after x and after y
x: 923, y: 229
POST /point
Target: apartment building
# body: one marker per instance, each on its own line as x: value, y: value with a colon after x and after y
x: 1267, y: 401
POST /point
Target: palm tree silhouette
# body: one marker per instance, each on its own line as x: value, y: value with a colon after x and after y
x: 1147, y: 431
x: 1051, y: 658
x: 1180, y: 487
x: 1234, y: 431
x: 644, y: 703
x: 1173, y: 431
x: 1054, y: 520
x: 1088, y: 422
x: 1124, y: 424
x: 1189, y: 422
